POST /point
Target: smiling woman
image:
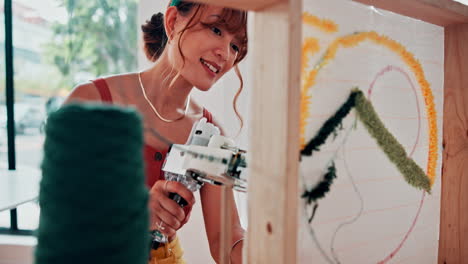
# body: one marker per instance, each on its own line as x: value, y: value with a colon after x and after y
x: 201, y: 24
x: 191, y: 46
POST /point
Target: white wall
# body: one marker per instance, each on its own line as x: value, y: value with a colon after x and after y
x: 371, y: 213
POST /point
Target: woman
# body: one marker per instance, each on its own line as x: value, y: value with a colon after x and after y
x: 193, y: 46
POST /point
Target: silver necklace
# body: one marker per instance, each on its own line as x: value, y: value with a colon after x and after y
x: 154, y: 108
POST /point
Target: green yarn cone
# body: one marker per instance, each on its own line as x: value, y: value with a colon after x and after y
x: 92, y: 194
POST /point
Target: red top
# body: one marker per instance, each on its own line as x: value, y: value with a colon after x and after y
x: 154, y: 158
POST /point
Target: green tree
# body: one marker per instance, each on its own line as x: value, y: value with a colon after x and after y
x: 99, y: 37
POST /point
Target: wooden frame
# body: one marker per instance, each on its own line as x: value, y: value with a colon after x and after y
x: 453, y: 16
x: 453, y: 240
x: 273, y: 189
x: 273, y: 180
x: 439, y: 12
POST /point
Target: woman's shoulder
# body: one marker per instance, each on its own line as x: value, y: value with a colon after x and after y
x: 121, y: 87
x: 89, y: 91
x: 84, y: 92
x: 118, y: 80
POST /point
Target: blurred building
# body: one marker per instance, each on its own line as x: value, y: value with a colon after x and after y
x: 30, y: 33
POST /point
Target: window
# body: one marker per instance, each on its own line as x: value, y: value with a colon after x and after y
x: 3, y: 115
x: 58, y: 44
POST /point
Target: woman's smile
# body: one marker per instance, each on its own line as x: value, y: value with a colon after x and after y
x: 211, y: 67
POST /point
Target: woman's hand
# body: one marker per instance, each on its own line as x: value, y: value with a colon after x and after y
x: 165, y: 214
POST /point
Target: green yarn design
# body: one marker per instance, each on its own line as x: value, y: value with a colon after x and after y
x: 330, y: 126
x: 93, y: 197
x: 322, y: 187
x: 412, y: 173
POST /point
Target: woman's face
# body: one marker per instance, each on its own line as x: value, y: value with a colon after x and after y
x: 209, y: 51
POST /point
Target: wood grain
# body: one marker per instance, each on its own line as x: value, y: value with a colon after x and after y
x: 273, y: 179
x: 438, y: 12
x: 453, y: 241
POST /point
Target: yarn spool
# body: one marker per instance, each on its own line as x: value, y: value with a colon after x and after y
x: 92, y: 194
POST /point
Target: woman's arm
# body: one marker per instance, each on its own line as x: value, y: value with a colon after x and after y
x: 211, y: 206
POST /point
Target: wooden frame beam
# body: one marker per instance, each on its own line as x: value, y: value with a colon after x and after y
x: 273, y: 179
x: 254, y: 5
x: 453, y: 240
x: 273, y: 184
x: 438, y: 12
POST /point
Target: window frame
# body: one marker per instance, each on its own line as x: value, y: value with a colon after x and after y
x: 10, y: 96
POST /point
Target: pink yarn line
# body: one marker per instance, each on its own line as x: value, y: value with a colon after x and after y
x: 390, y: 68
x: 369, y: 93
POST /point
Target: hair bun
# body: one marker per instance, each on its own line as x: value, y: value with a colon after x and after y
x: 154, y: 36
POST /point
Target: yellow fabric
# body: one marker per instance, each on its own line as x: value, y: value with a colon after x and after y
x: 170, y: 253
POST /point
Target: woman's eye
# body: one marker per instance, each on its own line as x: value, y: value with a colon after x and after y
x: 235, y: 47
x: 216, y: 30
